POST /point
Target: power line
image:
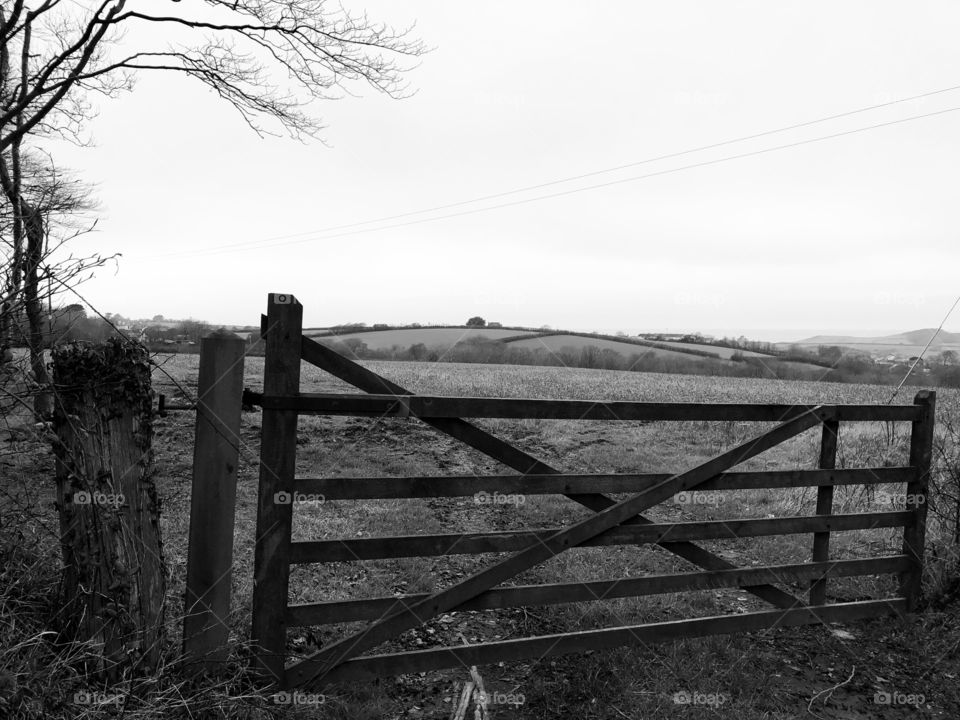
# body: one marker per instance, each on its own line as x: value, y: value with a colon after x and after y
x: 581, y: 176
x: 621, y: 181
x: 925, y: 348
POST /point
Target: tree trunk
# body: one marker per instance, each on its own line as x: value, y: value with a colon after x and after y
x: 114, y: 575
x: 28, y: 224
x: 36, y: 237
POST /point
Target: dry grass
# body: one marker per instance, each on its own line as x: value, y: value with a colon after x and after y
x: 624, y: 682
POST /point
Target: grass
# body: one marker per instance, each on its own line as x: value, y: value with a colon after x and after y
x: 720, y: 350
x: 765, y: 675
x: 576, y: 343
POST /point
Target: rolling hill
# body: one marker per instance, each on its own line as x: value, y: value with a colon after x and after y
x: 904, y: 344
x: 442, y: 340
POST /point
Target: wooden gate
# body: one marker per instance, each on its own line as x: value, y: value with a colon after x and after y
x: 611, y: 523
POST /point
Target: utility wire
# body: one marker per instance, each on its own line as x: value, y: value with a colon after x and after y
x: 925, y: 348
x: 583, y: 176
x: 705, y: 163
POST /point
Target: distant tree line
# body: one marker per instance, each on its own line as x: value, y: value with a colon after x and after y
x: 854, y: 368
x: 72, y: 324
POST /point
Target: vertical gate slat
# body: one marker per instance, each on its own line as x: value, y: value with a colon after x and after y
x: 914, y: 534
x: 821, y: 541
x: 278, y: 446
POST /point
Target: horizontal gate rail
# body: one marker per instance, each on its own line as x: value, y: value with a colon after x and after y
x: 430, y: 486
x: 339, y: 611
x: 612, y: 522
x: 571, y: 536
x: 544, y: 646
x: 399, y: 546
x: 438, y: 406
x: 513, y: 457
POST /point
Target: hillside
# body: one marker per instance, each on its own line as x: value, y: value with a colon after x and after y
x: 903, y: 344
x: 442, y: 339
x: 526, y: 346
x: 579, y: 342
x: 433, y: 337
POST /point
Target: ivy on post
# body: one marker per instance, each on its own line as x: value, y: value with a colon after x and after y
x: 216, y: 457
x: 278, y: 450
x: 114, y: 577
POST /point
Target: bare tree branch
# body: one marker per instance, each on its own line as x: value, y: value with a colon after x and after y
x: 270, y: 59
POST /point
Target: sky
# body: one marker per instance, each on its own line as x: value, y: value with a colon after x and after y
x: 853, y: 234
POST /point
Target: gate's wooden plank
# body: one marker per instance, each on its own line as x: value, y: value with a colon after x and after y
x: 921, y: 454
x: 430, y: 486
x: 338, y: 611
x: 437, y: 406
x: 399, y: 546
x: 482, y: 441
x: 278, y: 449
x: 551, y: 645
x: 821, y: 541
x: 571, y: 536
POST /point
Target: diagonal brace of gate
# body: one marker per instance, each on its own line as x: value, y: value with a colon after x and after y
x: 479, y: 439
x: 573, y: 535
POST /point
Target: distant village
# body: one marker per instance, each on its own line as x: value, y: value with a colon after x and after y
x: 73, y: 323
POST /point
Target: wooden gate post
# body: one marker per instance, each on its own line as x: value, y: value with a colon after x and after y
x: 278, y: 453
x: 914, y: 532
x: 216, y: 455
x: 821, y: 541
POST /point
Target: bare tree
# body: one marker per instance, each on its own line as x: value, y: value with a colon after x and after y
x: 41, y: 210
x: 270, y: 59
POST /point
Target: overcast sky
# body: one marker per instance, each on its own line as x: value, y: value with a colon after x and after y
x: 852, y: 234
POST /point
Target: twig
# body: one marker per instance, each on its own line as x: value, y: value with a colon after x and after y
x: 829, y: 691
x: 460, y: 710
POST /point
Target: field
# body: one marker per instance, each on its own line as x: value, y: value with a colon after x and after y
x: 723, y: 352
x: 556, y: 343
x: 776, y: 674
x: 580, y: 349
x: 431, y: 337
x: 625, y: 682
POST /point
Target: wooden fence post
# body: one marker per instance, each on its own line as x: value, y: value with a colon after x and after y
x: 821, y: 541
x: 914, y: 533
x: 113, y: 585
x: 216, y: 456
x: 278, y: 450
